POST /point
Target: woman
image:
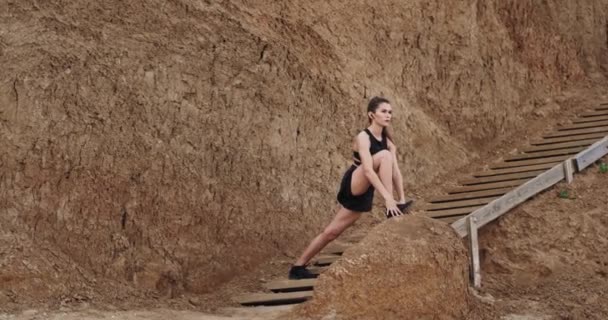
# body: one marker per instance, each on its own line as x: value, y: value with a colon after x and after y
x: 375, y: 168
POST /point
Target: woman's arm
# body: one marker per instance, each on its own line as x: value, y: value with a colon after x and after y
x: 397, y: 178
x: 367, y: 162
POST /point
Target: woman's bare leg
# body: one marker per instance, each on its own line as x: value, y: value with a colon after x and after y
x: 383, y: 164
x: 385, y: 171
x: 343, y: 219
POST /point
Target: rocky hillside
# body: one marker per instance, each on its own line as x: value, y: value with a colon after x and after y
x: 170, y: 145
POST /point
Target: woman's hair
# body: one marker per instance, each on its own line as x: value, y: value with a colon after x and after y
x: 372, y: 106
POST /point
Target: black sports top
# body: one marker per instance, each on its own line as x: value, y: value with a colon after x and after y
x: 374, y: 147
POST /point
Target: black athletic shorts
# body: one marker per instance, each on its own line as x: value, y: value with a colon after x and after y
x: 360, y: 203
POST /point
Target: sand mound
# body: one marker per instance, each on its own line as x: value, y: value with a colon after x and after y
x: 411, y: 268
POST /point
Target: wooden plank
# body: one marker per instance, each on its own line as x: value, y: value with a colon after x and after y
x: 590, y: 119
x: 594, y: 113
x: 335, y: 248
x: 352, y: 238
x: 256, y: 299
x: 450, y: 220
x: 326, y: 259
x: 291, y: 285
x: 498, y: 207
x: 497, y: 172
x: 470, y: 195
x: 451, y: 212
x: 577, y: 132
x: 474, y: 251
x: 544, y: 154
x: 567, y: 139
x: 603, y: 106
x: 582, y: 125
x: 487, y: 186
x: 512, y: 164
x: 593, y: 153
x: 554, y: 146
x: 458, y: 204
x: 504, y: 177
x: 316, y: 270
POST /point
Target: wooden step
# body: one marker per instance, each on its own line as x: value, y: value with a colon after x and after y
x: 335, y: 248
x: 594, y: 113
x: 555, y: 146
x: 545, y: 154
x: 497, y: 172
x: 582, y: 125
x: 590, y: 119
x: 470, y: 195
x: 291, y: 285
x: 324, y: 260
x: 459, y: 204
x: 577, y: 132
x: 504, y: 177
x: 512, y: 164
x: 451, y: 212
x: 452, y: 219
x: 316, y: 269
x: 269, y: 299
x: 352, y: 238
x: 603, y: 106
x: 568, y: 139
x: 487, y: 186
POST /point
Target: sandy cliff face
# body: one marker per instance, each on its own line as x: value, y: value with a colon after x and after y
x: 171, y: 144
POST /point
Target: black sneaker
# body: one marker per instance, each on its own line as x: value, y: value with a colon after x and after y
x: 300, y: 272
x: 405, y: 207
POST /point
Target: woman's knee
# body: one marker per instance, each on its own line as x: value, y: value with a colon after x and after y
x: 386, y: 157
x: 382, y: 157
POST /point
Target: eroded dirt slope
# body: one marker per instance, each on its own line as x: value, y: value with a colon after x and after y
x: 171, y: 145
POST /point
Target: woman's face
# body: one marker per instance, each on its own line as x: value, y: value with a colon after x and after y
x: 383, y: 114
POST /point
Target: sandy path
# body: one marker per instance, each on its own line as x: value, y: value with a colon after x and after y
x: 266, y: 313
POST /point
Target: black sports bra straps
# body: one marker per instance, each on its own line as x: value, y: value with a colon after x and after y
x: 375, y: 146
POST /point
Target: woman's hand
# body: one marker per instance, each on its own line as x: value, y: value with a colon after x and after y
x: 391, y: 208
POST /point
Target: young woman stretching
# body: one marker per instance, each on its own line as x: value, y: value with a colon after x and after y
x: 375, y: 168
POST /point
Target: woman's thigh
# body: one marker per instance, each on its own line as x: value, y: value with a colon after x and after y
x: 342, y: 220
x: 359, y: 182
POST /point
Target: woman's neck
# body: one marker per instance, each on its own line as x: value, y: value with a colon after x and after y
x: 375, y: 129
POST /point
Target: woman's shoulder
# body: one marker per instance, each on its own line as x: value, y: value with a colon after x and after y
x: 364, y: 132
x: 362, y: 135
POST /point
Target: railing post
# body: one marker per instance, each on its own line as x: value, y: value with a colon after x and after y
x: 474, y: 250
x: 568, y: 170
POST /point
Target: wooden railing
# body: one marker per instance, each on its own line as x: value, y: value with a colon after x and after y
x: 482, y: 216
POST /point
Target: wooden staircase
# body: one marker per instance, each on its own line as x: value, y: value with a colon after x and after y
x: 474, y: 193
x: 290, y: 291
x: 555, y: 147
